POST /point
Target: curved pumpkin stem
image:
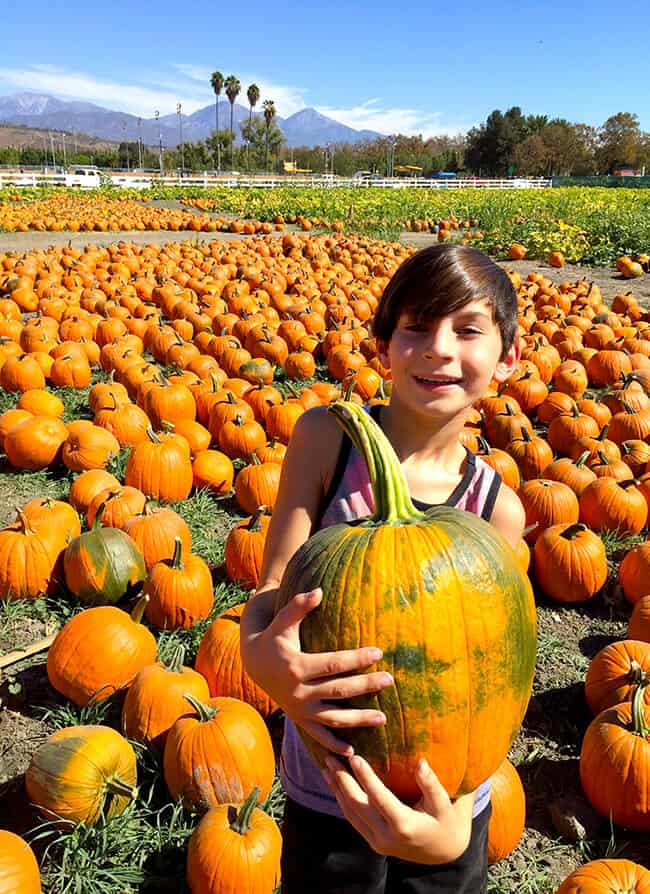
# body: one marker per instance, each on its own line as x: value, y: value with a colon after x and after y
x: 572, y: 531
x: 205, y: 712
x: 254, y: 522
x: 24, y: 521
x: 242, y: 820
x: 139, y: 607
x: 175, y: 663
x: 581, y: 460
x: 390, y: 491
x: 177, y: 562
x: 639, y: 724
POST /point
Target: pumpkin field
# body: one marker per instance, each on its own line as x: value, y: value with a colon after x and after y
x: 149, y: 386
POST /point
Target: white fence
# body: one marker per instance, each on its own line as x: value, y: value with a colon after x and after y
x: 141, y: 181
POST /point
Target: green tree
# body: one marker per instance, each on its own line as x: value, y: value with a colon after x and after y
x: 253, y: 95
x: 268, y: 107
x: 254, y: 132
x: 216, y: 80
x: 220, y: 142
x: 619, y: 142
x: 233, y: 89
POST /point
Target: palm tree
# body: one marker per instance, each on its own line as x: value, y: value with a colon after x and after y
x: 253, y: 94
x: 233, y: 88
x: 269, y: 114
x: 216, y: 80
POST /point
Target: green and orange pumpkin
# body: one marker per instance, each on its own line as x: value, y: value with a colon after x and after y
x: 441, y: 594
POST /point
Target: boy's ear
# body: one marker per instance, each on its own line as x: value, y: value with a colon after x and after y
x: 382, y: 352
x: 507, y: 365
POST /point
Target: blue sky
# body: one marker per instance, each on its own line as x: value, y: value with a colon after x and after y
x: 413, y: 68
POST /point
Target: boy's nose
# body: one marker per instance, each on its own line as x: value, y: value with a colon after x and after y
x: 440, y: 343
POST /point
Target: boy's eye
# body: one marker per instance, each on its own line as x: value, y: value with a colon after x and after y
x: 470, y: 330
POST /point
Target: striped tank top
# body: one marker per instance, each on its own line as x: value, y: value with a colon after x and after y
x: 349, y: 497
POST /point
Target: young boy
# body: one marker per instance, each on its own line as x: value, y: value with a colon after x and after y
x: 446, y: 325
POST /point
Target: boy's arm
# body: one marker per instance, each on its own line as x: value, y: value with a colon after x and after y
x: 304, y: 685
x: 508, y: 516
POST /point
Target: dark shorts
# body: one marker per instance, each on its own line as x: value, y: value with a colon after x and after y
x: 322, y: 854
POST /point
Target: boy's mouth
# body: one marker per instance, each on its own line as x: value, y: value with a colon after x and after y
x: 437, y: 381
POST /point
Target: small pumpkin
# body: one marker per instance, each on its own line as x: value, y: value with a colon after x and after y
x: 615, y: 672
x: 179, y: 590
x: 235, y: 847
x: 508, y: 818
x: 245, y: 549
x: 82, y: 774
x: 154, y: 532
x: 155, y: 699
x: 216, y: 753
x: 98, y: 652
x: 607, y: 877
x: 219, y: 661
x: 102, y: 565
x: 570, y: 562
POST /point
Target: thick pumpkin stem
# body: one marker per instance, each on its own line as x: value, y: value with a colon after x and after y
x: 637, y: 674
x: 24, y: 521
x: 572, y: 531
x: 639, y: 724
x: 205, y: 712
x: 390, y: 491
x: 116, y: 786
x: 581, y: 460
x: 255, y: 523
x: 242, y: 820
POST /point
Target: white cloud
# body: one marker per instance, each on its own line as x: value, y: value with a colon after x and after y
x: 191, y: 87
x: 372, y: 115
x: 69, y: 85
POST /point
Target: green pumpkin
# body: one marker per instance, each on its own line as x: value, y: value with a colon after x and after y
x: 441, y: 593
x: 103, y: 565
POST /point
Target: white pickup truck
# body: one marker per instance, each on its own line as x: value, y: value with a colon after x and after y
x: 84, y: 177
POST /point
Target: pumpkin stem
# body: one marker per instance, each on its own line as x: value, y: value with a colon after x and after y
x: 177, y: 563
x: 390, y: 491
x: 580, y: 461
x: 139, y: 607
x: 205, y: 712
x: 254, y: 522
x: 24, y: 521
x: 152, y: 435
x: 572, y: 531
x: 117, y: 787
x: 242, y: 821
x: 175, y: 663
x: 639, y: 724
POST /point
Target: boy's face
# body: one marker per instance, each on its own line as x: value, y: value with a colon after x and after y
x: 446, y: 364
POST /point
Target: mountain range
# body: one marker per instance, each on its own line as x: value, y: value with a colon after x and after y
x: 305, y: 128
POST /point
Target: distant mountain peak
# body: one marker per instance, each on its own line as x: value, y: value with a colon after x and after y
x: 308, y: 127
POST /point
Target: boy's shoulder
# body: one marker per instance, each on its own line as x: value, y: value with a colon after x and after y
x: 318, y: 432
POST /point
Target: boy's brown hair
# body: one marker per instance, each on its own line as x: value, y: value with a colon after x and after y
x: 441, y: 279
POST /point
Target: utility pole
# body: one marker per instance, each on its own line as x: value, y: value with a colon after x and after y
x: 180, y: 131
x: 65, y: 158
x: 140, y: 143
x: 52, y: 149
x: 126, y: 146
x: 160, y: 148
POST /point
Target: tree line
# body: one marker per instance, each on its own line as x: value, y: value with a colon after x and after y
x: 507, y: 144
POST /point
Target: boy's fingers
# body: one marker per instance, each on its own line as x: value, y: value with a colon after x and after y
x: 296, y: 609
x: 327, y: 739
x: 333, y: 664
x: 349, y: 718
x: 434, y: 795
x: 349, y: 687
x: 380, y: 797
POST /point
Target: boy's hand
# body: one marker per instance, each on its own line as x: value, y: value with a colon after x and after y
x: 304, y: 684
x: 435, y: 831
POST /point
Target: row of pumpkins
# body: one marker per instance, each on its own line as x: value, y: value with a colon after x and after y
x: 540, y: 296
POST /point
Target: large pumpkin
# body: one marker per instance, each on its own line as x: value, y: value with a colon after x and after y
x: 102, y: 565
x: 441, y: 594
x: 18, y: 867
x: 234, y: 848
x: 81, y: 773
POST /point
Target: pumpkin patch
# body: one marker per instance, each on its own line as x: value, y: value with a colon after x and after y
x: 152, y: 390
